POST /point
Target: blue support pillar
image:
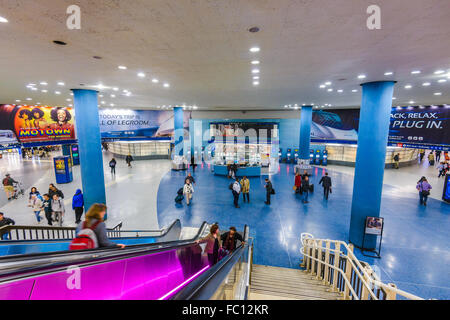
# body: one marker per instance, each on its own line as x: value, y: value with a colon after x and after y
x: 89, y: 141
x: 178, y: 118
x: 305, y: 132
x: 370, y: 158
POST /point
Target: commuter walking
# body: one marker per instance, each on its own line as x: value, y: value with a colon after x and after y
x: 236, y: 190
x: 229, y: 240
x: 36, y: 192
x: 128, y: 160
x: 396, y: 160
x: 78, y: 205
x: 52, y: 190
x: 37, y: 206
x: 298, y: 183
x: 188, y: 190
x: 213, y: 244
x: 8, y: 186
x: 94, y: 220
x: 421, y: 154
x: 4, y: 221
x: 269, y: 191
x: 438, y: 156
x: 190, y: 178
x: 193, y: 164
x: 112, y: 165
x: 245, y: 185
x: 431, y: 158
x: 305, y: 188
x: 58, y: 209
x: 47, y: 206
x: 326, y: 184
x: 424, y: 190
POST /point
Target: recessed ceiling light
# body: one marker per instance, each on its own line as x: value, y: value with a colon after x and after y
x: 154, y: 80
x: 255, y: 49
x: 438, y: 94
x: 34, y: 89
x: 18, y: 100
x: 255, y: 62
x: 362, y: 76
x: 70, y: 105
x: 44, y: 91
x: 256, y: 78
x: 415, y: 72
x: 411, y: 101
x: 68, y: 100
x: 330, y: 90
x: 141, y: 75
x: 71, y: 93
x: 3, y: 20
x: 29, y: 99
x: 122, y: 67
x: 394, y: 98
x: 442, y: 80
x: 103, y: 102
x: 58, y: 42
x: 57, y: 92
x: 408, y: 86
x: 255, y: 71
x: 439, y: 71
x: 388, y: 73
x: 255, y: 83
x: 43, y: 83
x: 426, y: 84
x: 322, y: 86
x: 112, y: 104
x: 354, y: 90
x: 113, y: 96
x: 328, y: 83
x: 61, y: 83
x: 116, y: 89
x: 166, y: 85
x: 340, y: 91
x: 38, y: 103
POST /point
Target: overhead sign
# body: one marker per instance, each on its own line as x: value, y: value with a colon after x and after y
x: 129, y: 123
x: 37, y: 123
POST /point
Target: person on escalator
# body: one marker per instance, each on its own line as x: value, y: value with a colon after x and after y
x: 213, y: 244
x: 94, y: 222
x: 229, y: 240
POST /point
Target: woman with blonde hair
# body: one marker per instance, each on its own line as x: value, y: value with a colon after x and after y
x: 94, y: 221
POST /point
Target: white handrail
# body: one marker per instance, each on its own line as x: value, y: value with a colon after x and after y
x: 367, y: 277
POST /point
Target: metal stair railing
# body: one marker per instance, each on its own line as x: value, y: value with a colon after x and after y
x: 344, y: 273
x: 21, y: 233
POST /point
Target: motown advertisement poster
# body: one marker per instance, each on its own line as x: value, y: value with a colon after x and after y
x: 37, y: 123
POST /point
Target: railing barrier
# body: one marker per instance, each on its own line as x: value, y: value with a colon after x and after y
x: 343, y: 272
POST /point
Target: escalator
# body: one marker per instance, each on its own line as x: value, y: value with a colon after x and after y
x: 155, y: 271
x: 41, y: 238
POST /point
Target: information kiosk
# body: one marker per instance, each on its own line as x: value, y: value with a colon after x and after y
x: 63, y: 169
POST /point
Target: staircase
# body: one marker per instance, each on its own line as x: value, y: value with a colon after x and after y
x: 273, y: 283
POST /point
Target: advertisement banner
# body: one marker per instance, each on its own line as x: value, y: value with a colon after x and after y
x: 37, y: 123
x: 409, y: 126
x: 154, y: 124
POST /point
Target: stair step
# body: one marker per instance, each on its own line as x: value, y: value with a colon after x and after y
x: 304, y: 284
x: 297, y: 295
x: 289, y: 289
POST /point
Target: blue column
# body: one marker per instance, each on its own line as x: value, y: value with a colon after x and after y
x: 305, y: 132
x: 178, y: 118
x: 89, y: 141
x: 370, y: 157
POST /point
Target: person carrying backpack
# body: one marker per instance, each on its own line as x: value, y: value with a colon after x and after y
x: 58, y: 209
x: 424, y: 190
x: 8, y: 186
x: 112, y: 165
x: 91, y: 233
x: 128, y: 160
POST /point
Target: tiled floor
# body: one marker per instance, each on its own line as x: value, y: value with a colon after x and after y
x: 415, y: 253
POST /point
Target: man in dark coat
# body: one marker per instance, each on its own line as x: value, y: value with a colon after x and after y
x: 5, y: 222
x: 269, y: 189
x: 326, y: 184
x: 229, y: 239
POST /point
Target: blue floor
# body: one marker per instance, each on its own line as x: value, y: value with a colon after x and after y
x: 415, y: 252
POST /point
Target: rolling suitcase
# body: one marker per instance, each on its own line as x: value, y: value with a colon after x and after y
x: 179, y: 198
x: 311, y: 188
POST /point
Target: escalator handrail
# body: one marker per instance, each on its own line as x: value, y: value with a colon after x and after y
x: 59, y: 260
x: 212, y: 277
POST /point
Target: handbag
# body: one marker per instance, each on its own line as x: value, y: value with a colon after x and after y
x: 295, y: 188
x: 273, y: 191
